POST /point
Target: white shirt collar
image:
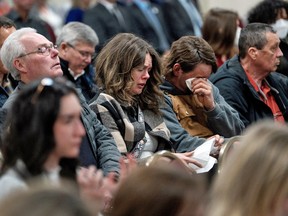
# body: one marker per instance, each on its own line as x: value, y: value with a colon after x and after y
x: 77, y: 75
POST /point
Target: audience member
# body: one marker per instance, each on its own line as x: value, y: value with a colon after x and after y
x: 14, y: 55
x: 221, y: 30
x: 162, y: 191
x: 182, y: 17
x: 77, y: 10
x: 76, y: 44
x: 6, y: 28
x: 30, y: 56
x: 198, y: 105
x: 129, y: 75
x: 54, y: 135
x: 43, y: 201
x: 23, y: 16
x: 247, y: 82
x: 254, y: 181
x: 4, y: 7
x: 274, y: 13
x: 107, y: 18
x: 47, y: 14
x: 150, y: 24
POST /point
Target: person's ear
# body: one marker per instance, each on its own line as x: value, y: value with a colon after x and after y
x: 253, y: 52
x: 177, y: 70
x: 19, y: 65
x: 63, y: 48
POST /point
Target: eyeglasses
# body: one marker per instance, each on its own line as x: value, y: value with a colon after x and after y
x: 43, y: 50
x: 84, y: 54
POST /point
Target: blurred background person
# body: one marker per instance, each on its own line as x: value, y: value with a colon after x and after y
x: 4, y: 7
x: 77, y: 10
x: 108, y: 18
x: 23, y: 16
x: 221, y: 30
x: 182, y: 17
x: 253, y: 181
x: 47, y: 14
x: 149, y: 23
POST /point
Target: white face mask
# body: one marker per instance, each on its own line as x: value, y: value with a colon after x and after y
x: 237, y: 36
x: 281, y: 28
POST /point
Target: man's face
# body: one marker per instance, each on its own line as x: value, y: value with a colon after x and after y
x: 4, y: 33
x: 78, y: 56
x: 200, y: 71
x: 38, y: 65
x: 268, y: 58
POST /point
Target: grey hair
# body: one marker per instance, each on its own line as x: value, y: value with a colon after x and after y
x: 12, y: 48
x: 253, y: 35
x: 75, y: 32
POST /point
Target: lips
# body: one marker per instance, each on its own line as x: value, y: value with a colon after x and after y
x: 56, y: 65
x: 142, y: 84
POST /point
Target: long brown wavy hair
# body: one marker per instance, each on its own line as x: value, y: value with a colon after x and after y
x: 113, y: 71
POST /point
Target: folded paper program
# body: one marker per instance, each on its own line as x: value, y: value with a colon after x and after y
x: 202, y: 155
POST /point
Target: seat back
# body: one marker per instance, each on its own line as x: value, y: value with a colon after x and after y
x: 226, y: 150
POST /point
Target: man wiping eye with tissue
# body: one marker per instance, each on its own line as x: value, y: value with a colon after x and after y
x: 196, y: 102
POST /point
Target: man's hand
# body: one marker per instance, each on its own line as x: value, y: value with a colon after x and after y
x: 203, y: 90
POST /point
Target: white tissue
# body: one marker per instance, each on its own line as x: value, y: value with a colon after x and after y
x: 188, y: 83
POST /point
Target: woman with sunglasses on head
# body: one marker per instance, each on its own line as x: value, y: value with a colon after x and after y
x: 43, y: 140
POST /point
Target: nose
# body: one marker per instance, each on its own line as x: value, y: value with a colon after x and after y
x: 54, y: 52
x: 88, y: 59
x: 146, y: 74
x: 279, y: 52
x: 80, y: 128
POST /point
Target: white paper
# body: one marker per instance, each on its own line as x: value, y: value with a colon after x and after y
x: 202, y: 155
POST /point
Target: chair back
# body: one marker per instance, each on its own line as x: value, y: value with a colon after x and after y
x: 226, y: 150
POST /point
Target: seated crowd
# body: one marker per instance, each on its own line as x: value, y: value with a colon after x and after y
x: 112, y: 122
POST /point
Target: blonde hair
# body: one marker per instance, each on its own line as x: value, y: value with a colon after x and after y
x: 255, y: 181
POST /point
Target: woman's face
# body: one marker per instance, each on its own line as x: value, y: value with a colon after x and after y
x: 68, y: 128
x: 140, y: 75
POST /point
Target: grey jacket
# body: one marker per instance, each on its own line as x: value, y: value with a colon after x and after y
x: 102, y: 142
